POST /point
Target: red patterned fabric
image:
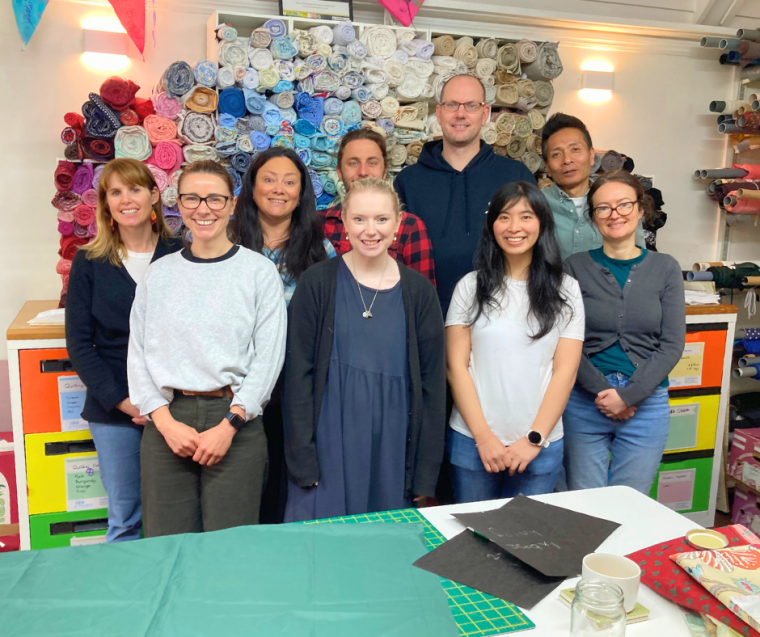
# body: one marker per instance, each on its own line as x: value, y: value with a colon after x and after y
x: 672, y: 582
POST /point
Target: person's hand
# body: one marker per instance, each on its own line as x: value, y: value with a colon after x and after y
x: 520, y: 454
x: 625, y: 414
x: 214, y: 443
x: 182, y: 439
x: 420, y: 501
x: 129, y: 408
x: 610, y: 403
x: 493, y: 454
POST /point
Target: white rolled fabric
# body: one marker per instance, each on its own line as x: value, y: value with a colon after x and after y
x: 251, y: 78
x: 488, y: 81
x: 405, y: 35
x: 420, y: 68
x: 337, y: 48
x: 433, y: 127
x: 323, y: 34
x: 406, y: 116
x: 226, y: 32
x: 324, y: 49
x: 233, y: 54
x: 443, y: 64
x: 401, y: 55
x: 285, y: 69
x: 490, y: 94
x: 487, y: 48
x: 410, y: 48
x: 488, y: 133
x: 374, y: 76
x: 397, y: 155
x: 411, y: 87
x: 356, y: 49
x: 390, y: 106
x: 485, y: 67
x: 394, y: 72
x: 225, y: 78
x: 343, y: 33
x: 438, y: 81
x: 260, y: 59
x: 425, y: 49
x: 342, y: 93
x: 380, y: 41
x: 378, y: 91
x: 372, y: 109
x: 428, y: 92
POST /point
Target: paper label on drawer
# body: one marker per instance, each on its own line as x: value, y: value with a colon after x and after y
x: 684, y: 424
x: 675, y: 489
x: 688, y: 371
x: 84, y: 489
x: 85, y: 541
x: 71, y: 395
x: 5, y: 501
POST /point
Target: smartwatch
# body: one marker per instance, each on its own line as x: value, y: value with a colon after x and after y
x: 536, y: 438
x: 236, y: 421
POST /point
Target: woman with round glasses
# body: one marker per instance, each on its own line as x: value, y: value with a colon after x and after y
x: 207, y: 344
x: 617, y: 418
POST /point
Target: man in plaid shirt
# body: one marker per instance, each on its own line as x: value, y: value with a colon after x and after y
x: 362, y: 154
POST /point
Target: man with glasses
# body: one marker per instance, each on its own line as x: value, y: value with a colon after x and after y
x: 451, y: 184
x: 569, y: 156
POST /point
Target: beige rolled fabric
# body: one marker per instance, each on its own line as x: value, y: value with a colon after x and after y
x: 325, y: 50
x: 487, y: 48
x: 488, y: 133
x: 406, y: 35
x: 500, y: 150
x: 516, y: 147
x: 444, y: 64
x: 390, y: 106
x: 394, y: 72
x: 380, y: 41
x: 533, y: 161
x: 526, y: 88
x: 415, y: 148
x: 504, y: 77
x: 411, y: 87
x: 488, y: 81
x: 372, y: 109
x: 433, y: 127
x: 465, y: 41
x: 268, y: 78
x: 484, y: 67
x: 527, y: 50
x: 444, y: 45
x: 505, y: 122
x: 406, y: 115
x: 537, y: 119
x: 410, y: 159
x: 423, y: 108
x: 525, y: 104
x: 373, y: 76
x: 284, y: 99
x: 502, y: 138
x: 375, y: 127
x: 261, y: 38
x: 544, y: 93
x: 467, y: 54
x: 508, y: 59
x: 397, y: 155
x: 420, y: 68
x: 743, y: 193
x: 506, y: 94
x: 533, y: 144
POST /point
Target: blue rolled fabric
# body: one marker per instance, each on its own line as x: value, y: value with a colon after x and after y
x: 386, y: 124
x: 325, y: 201
x: 332, y: 126
x: 352, y: 127
x: 301, y: 141
x: 237, y: 179
x: 101, y: 120
x: 328, y: 184
x: 251, y: 79
x: 282, y: 141
x: 225, y: 133
x: 320, y: 142
x: 320, y: 160
x: 178, y: 79
x: 305, y: 127
x: 241, y: 161
x: 254, y: 101
x: 205, y: 72
x: 275, y: 27
x: 225, y: 149
x: 343, y: 33
x: 225, y: 119
x: 310, y: 108
x: 271, y: 114
x: 282, y: 48
x: 333, y: 106
x: 305, y: 155
x: 361, y: 94
x: 351, y: 113
x: 232, y: 101
x: 289, y: 115
x: 261, y: 141
x: 282, y: 86
x: 318, y: 189
x: 272, y: 129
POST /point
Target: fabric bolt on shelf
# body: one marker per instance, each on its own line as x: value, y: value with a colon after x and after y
x: 73, y: 152
x: 75, y: 120
x: 132, y: 142
x: 544, y: 93
x: 508, y: 59
x: 68, y: 249
x: 611, y: 160
x: 466, y: 53
x: 177, y: 79
x: 516, y: 147
x: 162, y: 179
x: 101, y: 120
x: 232, y: 54
x: 239, y: 73
x: 200, y: 99
x: 322, y: 33
x: 527, y: 50
x: 537, y: 120
x: 118, y: 93
x: 64, y: 175
x: 260, y: 38
x: 143, y: 107
x: 523, y: 127
x: 225, y: 32
x: 82, y: 178
x: 66, y: 200
x: 232, y: 101
x: 547, y: 66
x: 169, y: 196
x: 380, y: 41
x: 90, y: 197
x: 97, y: 149
x: 343, y: 33
x: 484, y: 67
x: 166, y: 105
x: 160, y: 129
x: 254, y: 101
x: 128, y: 117
x: 487, y: 48
x: 260, y: 59
x: 225, y: 134
x: 275, y: 27
x: 444, y: 45
x: 284, y: 49
x: 285, y: 69
x: 197, y: 128
x: 507, y: 94
x: 533, y: 161
x: 505, y: 122
x: 84, y: 215
x: 268, y: 78
x: 205, y: 72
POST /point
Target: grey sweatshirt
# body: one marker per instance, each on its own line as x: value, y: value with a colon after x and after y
x: 648, y: 317
x: 200, y: 325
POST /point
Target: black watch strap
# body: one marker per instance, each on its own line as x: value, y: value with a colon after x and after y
x: 236, y: 421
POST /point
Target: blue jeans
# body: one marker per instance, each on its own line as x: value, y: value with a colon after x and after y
x: 600, y: 451
x: 473, y: 483
x: 118, y: 447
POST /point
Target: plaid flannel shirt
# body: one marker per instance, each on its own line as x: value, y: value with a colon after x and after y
x: 412, y: 246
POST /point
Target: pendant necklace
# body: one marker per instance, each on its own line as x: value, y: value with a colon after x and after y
x: 367, y: 314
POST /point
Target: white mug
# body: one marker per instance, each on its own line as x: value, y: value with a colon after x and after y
x: 618, y: 570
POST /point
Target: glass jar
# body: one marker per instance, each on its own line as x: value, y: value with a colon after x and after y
x: 597, y: 610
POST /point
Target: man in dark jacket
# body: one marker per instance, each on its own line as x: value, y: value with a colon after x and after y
x: 453, y: 181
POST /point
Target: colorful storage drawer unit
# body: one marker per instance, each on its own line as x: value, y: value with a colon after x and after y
x: 63, y: 473
x: 702, y: 362
x: 693, y: 421
x: 78, y: 528
x: 683, y: 481
x: 52, y: 396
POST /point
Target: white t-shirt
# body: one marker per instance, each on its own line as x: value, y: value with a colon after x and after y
x: 137, y: 264
x: 510, y: 371
x: 580, y: 204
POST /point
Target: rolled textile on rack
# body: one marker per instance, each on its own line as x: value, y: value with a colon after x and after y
x: 380, y: 41
x: 325, y: 50
x: 275, y: 27
x: 523, y: 128
x: 232, y: 101
x: 397, y: 155
x: 226, y: 32
x: 167, y: 156
x: 533, y: 161
x: 351, y: 113
x: 504, y: 77
x: 389, y: 106
x: 271, y: 115
x: 537, y: 119
x: 516, y: 147
x: 394, y: 72
x: 502, y: 139
x: 232, y: 54
x: 467, y: 53
x: 199, y: 152
x: 424, y: 48
x: 305, y: 154
x: 260, y: 59
x: 196, y: 128
x: 507, y: 94
x: 283, y: 100
x: 239, y: 73
x: 69, y: 136
x: 323, y: 34
x: 325, y: 82
x: 533, y: 144
x: 352, y: 79
x: 487, y: 48
x: 73, y: 152
x: 95, y: 181
x: 527, y: 50
x: 169, y: 196
x: 443, y: 64
x: 282, y: 141
x: 225, y: 78
x: 314, y: 176
x: 260, y: 38
x: 285, y: 69
x: 420, y: 68
x: 611, y: 160
x: 320, y: 160
x: 525, y: 104
x: 205, y: 73
x: 489, y: 81
x: 490, y: 93
x: 118, y: 93
x: 726, y: 106
x: 356, y: 49
x: 240, y: 161
x: 415, y: 148
x: 547, y: 66
x: 100, y: 119
x: 525, y: 88
x: 66, y: 200
x: 254, y: 101
x: 64, y: 175
x: 508, y: 59
x: 505, y: 122
x: 82, y: 178
x: 544, y: 93
x: 343, y: 33
x: 320, y: 143
x: 251, y: 79
x: 484, y: 67
x: 132, y: 142
x: 338, y: 63
x: 699, y: 276
x: 160, y: 129
x: 378, y: 91
x: 200, y: 99
x: 162, y: 179
x: 444, y: 45
x: 386, y: 125
x: 411, y: 87
x: 284, y: 49
x: 372, y: 109
x: 226, y: 149
x: 268, y: 78
x: 315, y: 63
x: 333, y: 106
x: 97, y: 149
x: 407, y: 47
x: 225, y: 134
x: 177, y: 79
x: 488, y: 133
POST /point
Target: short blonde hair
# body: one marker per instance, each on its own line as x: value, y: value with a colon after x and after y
x: 373, y: 184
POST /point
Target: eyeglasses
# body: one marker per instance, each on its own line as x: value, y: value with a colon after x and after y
x: 623, y: 209
x: 214, y: 202
x: 470, y: 107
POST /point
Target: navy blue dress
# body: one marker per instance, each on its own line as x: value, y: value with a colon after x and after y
x: 364, y: 419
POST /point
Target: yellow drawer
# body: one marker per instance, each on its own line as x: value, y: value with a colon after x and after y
x: 693, y: 422
x: 63, y: 473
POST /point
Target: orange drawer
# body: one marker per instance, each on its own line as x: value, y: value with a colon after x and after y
x: 40, y: 370
x: 702, y: 362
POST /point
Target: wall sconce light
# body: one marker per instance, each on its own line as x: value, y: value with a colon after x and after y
x: 596, y: 86
x: 105, y: 50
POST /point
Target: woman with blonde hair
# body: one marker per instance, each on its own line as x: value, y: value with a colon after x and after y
x: 105, y: 273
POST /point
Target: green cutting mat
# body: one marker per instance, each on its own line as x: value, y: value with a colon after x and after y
x: 477, y: 614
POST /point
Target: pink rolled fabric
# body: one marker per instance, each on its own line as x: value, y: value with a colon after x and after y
x: 174, y: 178
x: 90, y: 197
x: 64, y: 175
x: 92, y: 229
x: 66, y: 200
x: 66, y: 216
x: 63, y: 267
x: 65, y: 228
x: 745, y: 206
x: 80, y: 231
x: 166, y: 105
x: 83, y: 178
x: 84, y: 215
x: 167, y: 156
x: 160, y: 129
x: 162, y: 179
x: 96, y: 176
x: 753, y: 170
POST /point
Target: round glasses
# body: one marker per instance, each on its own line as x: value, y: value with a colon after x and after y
x: 214, y: 202
x: 623, y: 209
x: 470, y: 107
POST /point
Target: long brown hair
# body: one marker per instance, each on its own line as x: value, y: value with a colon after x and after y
x: 108, y: 242
x: 646, y: 203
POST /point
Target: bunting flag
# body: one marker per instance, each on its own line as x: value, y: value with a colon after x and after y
x: 403, y: 10
x: 28, y: 16
x: 131, y: 14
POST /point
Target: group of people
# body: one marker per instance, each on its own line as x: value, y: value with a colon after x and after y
x: 284, y: 364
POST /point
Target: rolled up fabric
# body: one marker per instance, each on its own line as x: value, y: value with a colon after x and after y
x: 378, y: 91
x: 225, y: 134
x: 611, y: 160
x: 66, y: 200
x: 424, y: 48
x: 132, y: 142
x: 380, y: 41
x: 523, y: 128
x: 275, y: 27
x: 96, y: 178
x: 73, y: 152
x: 97, y: 149
x: 547, y: 66
x: 285, y: 69
x: 525, y: 88
x: 338, y: 63
x: 502, y: 139
x: 201, y: 99
x: 174, y: 178
x: 254, y: 101
x: 305, y: 154
x: 260, y: 39
x: 90, y: 197
x: 261, y: 141
x: 310, y: 108
x: 301, y: 141
x: 82, y: 179
x: 268, y: 78
x: 394, y: 72
x: 260, y: 59
x: 533, y: 161
x: 196, y: 128
x: 507, y: 94
x: 504, y: 77
x: 466, y: 53
x: 505, y: 122
x: 143, y: 107
x: 305, y: 127
x: 487, y: 48
x: 225, y: 78
x: 351, y: 113
x: 508, y: 59
x: 744, y: 206
x: 283, y: 86
x: 306, y: 43
x: 283, y: 100
x: 320, y: 160
x: 271, y: 115
x: 162, y: 179
x: 167, y: 156
x: 325, y: 82
x: 118, y: 93
x: 177, y: 79
x: 444, y: 45
x: 401, y: 55
x: 352, y: 79
x: 411, y: 87
x: 343, y: 33
x: 397, y: 155
x: 484, y: 67
x: 407, y: 47
x: 333, y: 106
x: 75, y: 120
x: 65, y: 215
x: 160, y: 129
x: 332, y: 126
x: 420, y: 68
x: 100, y: 119
x: 516, y: 147
x: 284, y: 49
x: 323, y: 34
x: 226, y: 149
x: 328, y: 183
x: 356, y: 49
x: 488, y: 133
x: 244, y: 144
x: 527, y: 50
x: 537, y: 119
x: 372, y: 109
x: 533, y: 143
x: 544, y: 93
x: 166, y: 106
x: 414, y: 148
x: 239, y: 73
x: 240, y: 161
x: 64, y: 175
x: 205, y: 73
x: 315, y: 182
x: 251, y: 79
x: 490, y: 93
x: 386, y: 124
x: 525, y: 104
x: 199, y: 152
x: 128, y: 117
x: 316, y: 63
x: 80, y: 231
x: 226, y: 32
x: 289, y: 115
x: 169, y: 197
x: 361, y: 94
x: 66, y: 228
x: 320, y: 143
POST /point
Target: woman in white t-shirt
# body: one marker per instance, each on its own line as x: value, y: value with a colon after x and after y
x: 514, y: 336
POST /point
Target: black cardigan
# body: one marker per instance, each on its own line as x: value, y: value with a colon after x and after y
x: 98, y: 304
x: 311, y: 317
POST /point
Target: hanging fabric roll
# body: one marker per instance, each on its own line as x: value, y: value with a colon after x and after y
x: 232, y: 54
x: 508, y: 59
x: 444, y: 45
x: 547, y: 66
x: 260, y: 39
x: 343, y: 33
x: 225, y: 78
x: 516, y: 147
x: 196, y: 128
x: 380, y: 41
x: 260, y: 59
x: 177, y: 79
x: 527, y: 50
x: 544, y: 93
x: 487, y: 48
x: 226, y: 32
x: 200, y: 99
x: 205, y: 72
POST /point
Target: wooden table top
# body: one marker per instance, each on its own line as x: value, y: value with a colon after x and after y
x: 19, y: 330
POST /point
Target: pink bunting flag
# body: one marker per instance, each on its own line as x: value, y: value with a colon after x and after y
x: 131, y: 14
x: 403, y: 10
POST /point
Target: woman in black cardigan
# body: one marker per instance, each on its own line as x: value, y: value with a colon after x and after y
x: 365, y: 374
x: 131, y: 234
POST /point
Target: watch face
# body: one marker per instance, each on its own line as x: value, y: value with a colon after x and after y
x: 534, y: 437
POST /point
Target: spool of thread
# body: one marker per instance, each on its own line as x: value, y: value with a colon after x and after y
x: 700, y: 276
x: 744, y: 372
x: 748, y: 359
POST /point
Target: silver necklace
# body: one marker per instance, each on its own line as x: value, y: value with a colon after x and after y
x: 367, y: 314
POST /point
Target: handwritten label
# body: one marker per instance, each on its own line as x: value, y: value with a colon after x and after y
x: 5, y: 501
x: 84, y: 489
x: 684, y: 425
x: 675, y: 489
x: 71, y: 395
x: 688, y: 371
